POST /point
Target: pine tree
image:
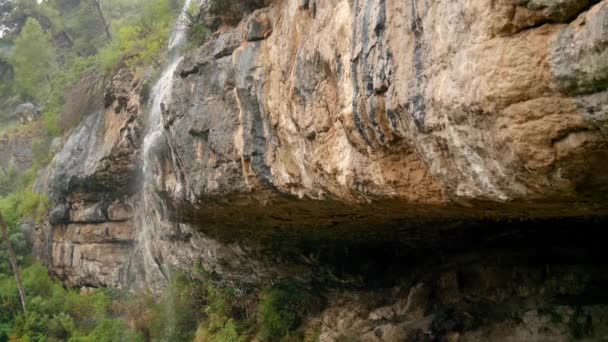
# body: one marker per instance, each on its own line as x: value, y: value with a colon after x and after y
x: 34, y: 61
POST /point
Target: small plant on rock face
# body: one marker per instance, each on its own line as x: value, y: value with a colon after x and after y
x: 219, y: 324
x: 198, y: 32
x: 282, y: 309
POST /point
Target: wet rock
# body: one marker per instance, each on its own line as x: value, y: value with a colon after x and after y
x: 92, y: 255
x: 16, y: 152
x: 384, y: 313
x: 55, y: 146
x: 559, y: 11
x: 215, y: 13
x: 89, y: 239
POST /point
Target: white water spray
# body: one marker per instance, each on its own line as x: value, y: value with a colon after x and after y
x: 178, y: 36
x: 160, y: 94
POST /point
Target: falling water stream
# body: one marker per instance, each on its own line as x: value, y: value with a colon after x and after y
x: 149, y: 222
x: 163, y: 87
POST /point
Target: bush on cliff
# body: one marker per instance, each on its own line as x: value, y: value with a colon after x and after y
x: 282, y: 309
x: 56, y: 313
x: 143, y: 41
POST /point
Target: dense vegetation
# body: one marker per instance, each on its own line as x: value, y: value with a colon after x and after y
x: 58, y: 54
x: 194, y: 307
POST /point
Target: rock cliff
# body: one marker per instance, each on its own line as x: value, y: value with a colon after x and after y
x: 302, y: 132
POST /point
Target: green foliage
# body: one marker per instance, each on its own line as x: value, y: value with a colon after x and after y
x: 43, y: 11
x: 34, y: 61
x: 57, y: 115
x: 219, y: 324
x: 143, y: 41
x: 8, y: 98
x: 23, y: 204
x: 58, y: 314
x: 110, y: 330
x: 176, y: 316
x: 19, y: 244
x: 219, y: 311
x: 84, y: 24
x: 197, y: 30
x: 64, y: 79
x: 9, y: 179
x: 282, y: 309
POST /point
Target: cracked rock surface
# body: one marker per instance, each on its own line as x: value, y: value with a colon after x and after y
x: 299, y: 123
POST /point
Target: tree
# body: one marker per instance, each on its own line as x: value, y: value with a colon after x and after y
x: 106, y: 24
x: 13, y: 260
x: 34, y: 61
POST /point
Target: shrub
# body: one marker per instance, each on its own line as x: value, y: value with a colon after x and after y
x: 110, y: 330
x: 176, y: 316
x: 198, y: 32
x: 23, y: 204
x: 140, y: 43
x: 282, y: 309
x: 219, y: 324
x: 9, y: 179
x: 56, y: 313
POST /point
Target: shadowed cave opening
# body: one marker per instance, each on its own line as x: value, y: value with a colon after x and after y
x: 528, y: 244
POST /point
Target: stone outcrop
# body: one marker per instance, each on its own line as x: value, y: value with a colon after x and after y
x: 351, y: 120
x: 27, y: 112
x: 403, y: 111
x: 302, y: 131
x: 90, y: 233
x: 101, y: 156
x: 492, y: 298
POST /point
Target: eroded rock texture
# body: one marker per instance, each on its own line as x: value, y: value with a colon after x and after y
x: 492, y: 298
x: 301, y: 129
x: 89, y: 237
x: 429, y: 109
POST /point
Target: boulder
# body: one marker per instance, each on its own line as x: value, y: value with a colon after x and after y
x: 27, y: 112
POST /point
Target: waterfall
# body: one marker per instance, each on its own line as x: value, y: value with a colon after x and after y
x: 178, y: 36
x: 150, y: 208
x: 159, y: 95
x: 163, y: 87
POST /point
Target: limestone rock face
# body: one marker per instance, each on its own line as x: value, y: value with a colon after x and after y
x: 419, y: 109
x: 101, y: 155
x: 378, y: 150
x: 89, y: 237
x: 303, y: 122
